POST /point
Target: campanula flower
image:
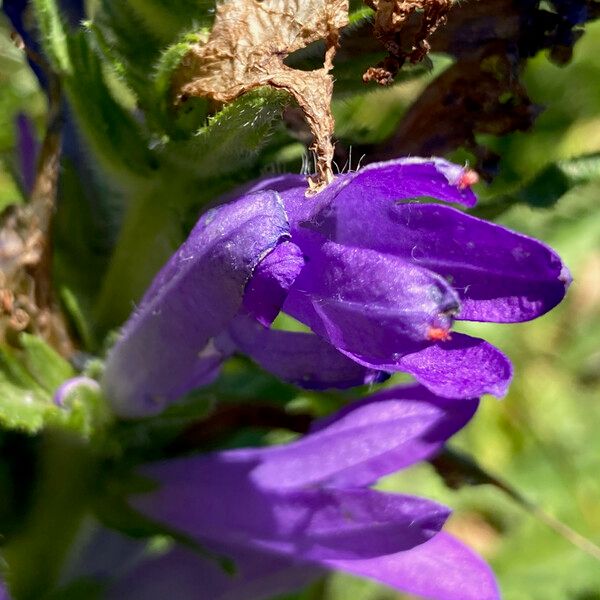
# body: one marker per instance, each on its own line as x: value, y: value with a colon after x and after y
x: 376, y: 273
x: 285, y: 514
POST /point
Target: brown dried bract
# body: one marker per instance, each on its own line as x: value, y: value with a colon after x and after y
x: 403, y: 27
x: 246, y: 49
x: 26, y: 296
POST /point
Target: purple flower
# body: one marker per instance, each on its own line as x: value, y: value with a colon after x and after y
x: 284, y: 514
x: 27, y: 150
x: 378, y: 277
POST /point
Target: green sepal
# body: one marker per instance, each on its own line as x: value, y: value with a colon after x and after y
x: 83, y: 411
x: 29, y: 378
x: 177, y: 123
x: 231, y: 138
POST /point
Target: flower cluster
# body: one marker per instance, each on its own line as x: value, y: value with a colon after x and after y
x: 378, y: 275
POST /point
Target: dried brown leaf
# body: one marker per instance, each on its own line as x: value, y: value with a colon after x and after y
x: 26, y: 296
x: 247, y: 48
x: 403, y: 27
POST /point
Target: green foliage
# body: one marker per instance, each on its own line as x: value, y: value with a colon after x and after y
x: 29, y: 377
x: 230, y: 139
x: 168, y: 62
x: 27, y: 380
x: 547, y: 187
x: 45, y: 365
x: 110, y: 130
x: 130, y: 46
x: 555, y: 180
x: 53, y: 36
x: 167, y: 18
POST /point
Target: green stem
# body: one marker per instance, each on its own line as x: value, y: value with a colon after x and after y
x: 36, y: 555
x: 149, y: 236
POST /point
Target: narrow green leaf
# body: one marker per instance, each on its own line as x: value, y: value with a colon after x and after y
x: 54, y: 38
x: 359, y: 14
x: 125, y: 39
x: 110, y: 129
x: 77, y: 317
x: 47, y: 366
x: 553, y: 182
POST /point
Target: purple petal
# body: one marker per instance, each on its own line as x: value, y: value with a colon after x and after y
x: 271, y: 280
x: 277, y: 183
x: 171, y: 344
x: 101, y: 554
x: 372, y: 304
x: 408, y: 178
x: 500, y: 276
x: 4, y: 595
x: 303, y: 359
x: 402, y: 179
x: 440, y: 569
x: 462, y: 367
x: 214, y: 499
x: 184, y: 575
x: 366, y: 441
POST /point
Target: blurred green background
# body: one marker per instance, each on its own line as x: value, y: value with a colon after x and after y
x: 544, y: 438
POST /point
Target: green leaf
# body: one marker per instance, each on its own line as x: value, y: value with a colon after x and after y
x: 85, y: 227
x: 21, y: 409
x: 553, y: 182
x: 47, y: 366
x: 30, y: 376
x: 230, y: 139
x: 547, y: 187
x: 360, y: 13
x: 167, y: 18
x: 53, y: 36
x: 24, y: 403
x: 129, y: 45
x: 111, y: 131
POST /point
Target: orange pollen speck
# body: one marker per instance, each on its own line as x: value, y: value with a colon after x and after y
x: 467, y: 179
x: 438, y: 334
